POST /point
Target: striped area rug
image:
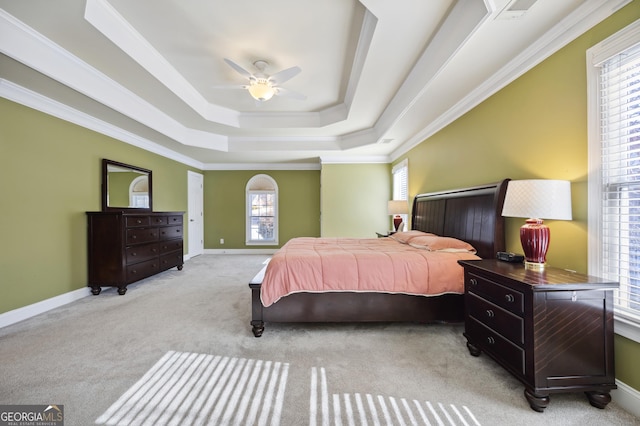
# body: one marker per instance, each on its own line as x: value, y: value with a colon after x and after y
x: 196, y: 389
x: 357, y: 409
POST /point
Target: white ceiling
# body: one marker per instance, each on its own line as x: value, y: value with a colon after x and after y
x: 379, y: 76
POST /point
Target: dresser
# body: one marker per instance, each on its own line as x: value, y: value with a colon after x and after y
x: 124, y: 247
x: 551, y: 329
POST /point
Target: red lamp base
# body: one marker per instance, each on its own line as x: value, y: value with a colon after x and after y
x: 534, y: 236
x: 397, y: 221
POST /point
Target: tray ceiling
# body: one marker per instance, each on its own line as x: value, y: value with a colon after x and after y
x: 378, y: 76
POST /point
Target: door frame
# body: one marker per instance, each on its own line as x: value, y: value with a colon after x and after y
x: 195, y: 213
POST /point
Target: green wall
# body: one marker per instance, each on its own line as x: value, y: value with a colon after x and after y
x: 225, y: 206
x: 354, y: 200
x: 51, y: 173
x: 536, y: 127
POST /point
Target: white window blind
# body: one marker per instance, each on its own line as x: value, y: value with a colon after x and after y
x: 400, y: 186
x: 619, y: 101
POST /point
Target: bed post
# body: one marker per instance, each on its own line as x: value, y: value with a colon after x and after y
x: 257, y: 322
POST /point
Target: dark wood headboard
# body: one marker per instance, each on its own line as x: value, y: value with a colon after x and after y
x: 471, y: 214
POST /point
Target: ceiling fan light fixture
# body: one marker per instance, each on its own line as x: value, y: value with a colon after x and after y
x: 261, y: 89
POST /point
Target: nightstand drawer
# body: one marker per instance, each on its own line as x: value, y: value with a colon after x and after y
x: 511, y: 356
x: 505, y: 297
x: 504, y: 322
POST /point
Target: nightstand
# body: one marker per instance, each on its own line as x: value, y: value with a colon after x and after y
x: 551, y: 329
x: 388, y: 233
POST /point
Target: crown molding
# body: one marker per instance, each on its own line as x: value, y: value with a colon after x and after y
x: 31, y: 99
x: 106, y: 19
x: 577, y: 23
x: 461, y: 23
x: 262, y: 166
x: 373, y: 159
x: 31, y: 48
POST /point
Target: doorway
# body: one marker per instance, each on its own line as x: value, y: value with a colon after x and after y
x: 195, y: 214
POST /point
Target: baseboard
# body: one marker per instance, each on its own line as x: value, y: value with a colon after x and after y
x: 43, y: 306
x: 240, y: 251
x: 38, y: 308
x: 627, y: 397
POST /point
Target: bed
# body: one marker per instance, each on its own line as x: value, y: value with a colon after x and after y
x: 472, y: 215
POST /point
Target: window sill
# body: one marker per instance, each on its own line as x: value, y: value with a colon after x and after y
x: 261, y: 243
x: 627, y: 325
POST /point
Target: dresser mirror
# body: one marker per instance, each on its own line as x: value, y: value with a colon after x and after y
x: 125, y: 187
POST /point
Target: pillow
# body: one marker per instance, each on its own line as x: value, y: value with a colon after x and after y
x: 404, y: 237
x: 437, y: 243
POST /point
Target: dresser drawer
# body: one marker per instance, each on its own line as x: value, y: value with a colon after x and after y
x: 171, y: 245
x: 170, y: 232
x: 505, y: 297
x: 174, y: 220
x: 141, y: 235
x: 137, y: 221
x: 142, y: 270
x: 170, y: 260
x: 502, y: 321
x: 140, y: 253
x: 159, y: 220
x: 510, y: 355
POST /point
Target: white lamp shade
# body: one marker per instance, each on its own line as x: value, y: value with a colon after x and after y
x: 539, y: 199
x: 398, y: 207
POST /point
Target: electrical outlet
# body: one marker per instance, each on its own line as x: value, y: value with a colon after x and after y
x: 221, y: 240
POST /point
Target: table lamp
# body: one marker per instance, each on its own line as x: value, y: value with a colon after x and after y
x: 537, y: 199
x: 397, y: 207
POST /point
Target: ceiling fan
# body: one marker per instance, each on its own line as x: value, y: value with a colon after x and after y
x: 262, y: 86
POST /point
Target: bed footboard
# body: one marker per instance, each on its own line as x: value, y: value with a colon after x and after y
x: 353, y: 307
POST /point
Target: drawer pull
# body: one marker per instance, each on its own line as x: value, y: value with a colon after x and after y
x: 509, y: 298
x: 490, y: 313
x: 491, y: 340
x: 473, y: 281
x: 139, y: 221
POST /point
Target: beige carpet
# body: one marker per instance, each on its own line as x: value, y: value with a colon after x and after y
x: 178, y: 349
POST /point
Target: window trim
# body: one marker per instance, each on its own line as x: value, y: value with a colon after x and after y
x: 248, y: 192
x: 625, y: 324
x: 404, y: 164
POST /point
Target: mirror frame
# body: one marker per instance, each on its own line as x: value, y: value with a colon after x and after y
x: 105, y: 189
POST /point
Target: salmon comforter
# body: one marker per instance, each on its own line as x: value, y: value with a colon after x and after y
x: 385, y: 265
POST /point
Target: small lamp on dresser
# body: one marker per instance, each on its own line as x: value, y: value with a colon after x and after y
x: 537, y: 199
x: 397, y: 208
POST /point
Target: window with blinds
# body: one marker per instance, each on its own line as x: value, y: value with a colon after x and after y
x: 400, y: 185
x: 262, y: 211
x: 619, y: 132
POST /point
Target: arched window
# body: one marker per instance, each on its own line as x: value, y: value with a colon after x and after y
x: 262, y: 211
x: 139, y: 192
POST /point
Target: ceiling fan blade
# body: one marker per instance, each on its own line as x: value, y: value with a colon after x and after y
x: 284, y: 75
x: 238, y: 68
x: 286, y: 93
